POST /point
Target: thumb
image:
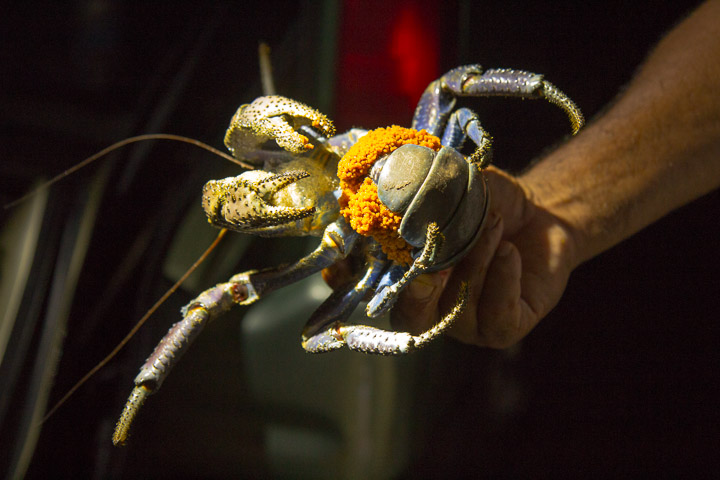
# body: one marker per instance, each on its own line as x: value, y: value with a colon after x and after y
x: 416, y: 310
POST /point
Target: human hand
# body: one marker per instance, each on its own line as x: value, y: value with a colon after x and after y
x: 517, y: 272
x: 654, y: 150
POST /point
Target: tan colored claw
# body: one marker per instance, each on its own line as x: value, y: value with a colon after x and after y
x: 245, y: 203
x: 274, y: 118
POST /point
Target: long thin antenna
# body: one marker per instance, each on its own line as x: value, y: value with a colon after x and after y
x: 122, y: 143
x: 137, y: 326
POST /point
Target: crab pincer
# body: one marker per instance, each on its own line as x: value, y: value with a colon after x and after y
x: 246, y: 202
x: 274, y: 118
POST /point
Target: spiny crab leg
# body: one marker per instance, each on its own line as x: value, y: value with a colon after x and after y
x: 438, y: 100
x: 465, y: 123
x: 387, y: 296
x: 369, y: 339
x: 341, y: 304
x: 518, y: 83
x: 242, y: 289
x: 207, y: 306
x: 274, y: 118
x: 337, y: 241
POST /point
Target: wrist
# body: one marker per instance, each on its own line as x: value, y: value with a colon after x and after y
x: 565, y: 241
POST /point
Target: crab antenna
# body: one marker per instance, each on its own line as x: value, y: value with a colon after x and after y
x: 137, y: 326
x: 122, y: 143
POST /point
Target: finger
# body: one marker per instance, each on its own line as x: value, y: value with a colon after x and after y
x: 503, y: 318
x: 473, y: 270
x: 510, y: 200
x: 416, y: 310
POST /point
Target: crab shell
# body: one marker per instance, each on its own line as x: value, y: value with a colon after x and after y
x: 425, y: 186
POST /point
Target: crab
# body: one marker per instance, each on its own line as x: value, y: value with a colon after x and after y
x: 404, y: 200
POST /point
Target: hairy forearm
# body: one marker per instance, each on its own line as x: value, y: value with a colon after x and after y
x: 655, y: 149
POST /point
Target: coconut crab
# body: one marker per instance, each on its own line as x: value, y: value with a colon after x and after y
x: 405, y: 200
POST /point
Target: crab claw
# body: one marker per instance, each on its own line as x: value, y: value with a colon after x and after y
x: 274, y: 118
x: 252, y: 202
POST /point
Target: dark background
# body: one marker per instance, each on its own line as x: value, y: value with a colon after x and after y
x: 621, y: 378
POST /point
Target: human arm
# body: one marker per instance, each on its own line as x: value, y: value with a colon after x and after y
x: 655, y: 149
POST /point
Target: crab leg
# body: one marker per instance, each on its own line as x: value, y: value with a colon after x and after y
x: 519, y: 83
x: 340, y: 305
x: 336, y: 243
x: 207, y: 306
x: 242, y: 289
x: 440, y: 96
x: 367, y: 339
x: 464, y: 123
x: 387, y: 296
